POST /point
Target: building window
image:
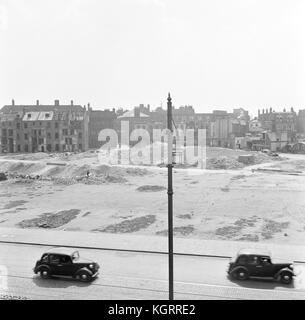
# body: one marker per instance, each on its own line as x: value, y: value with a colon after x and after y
x: 39, y: 132
x: 80, y: 146
x: 18, y: 137
x: 49, y: 135
x: 80, y: 135
x: 40, y: 141
x: 18, y: 125
x: 25, y: 125
x: 56, y: 135
x: 48, y: 124
x: 57, y: 147
x: 26, y: 148
x: 56, y: 124
x: 18, y: 148
x: 25, y: 136
x: 49, y: 147
x: 65, y: 132
x: 10, y: 132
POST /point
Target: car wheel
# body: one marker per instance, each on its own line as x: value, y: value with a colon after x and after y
x: 241, y: 274
x: 84, y: 276
x: 286, y: 277
x: 45, y: 273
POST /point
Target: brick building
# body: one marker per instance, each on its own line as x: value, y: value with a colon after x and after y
x: 43, y: 128
x: 99, y: 120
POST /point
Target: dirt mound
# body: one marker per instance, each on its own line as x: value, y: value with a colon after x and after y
x: 128, y: 226
x: 50, y: 220
x: 223, y: 163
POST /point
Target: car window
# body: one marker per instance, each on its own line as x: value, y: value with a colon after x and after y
x: 253, y: 260
x: 54, y: 258
x: 65, y: 259
x: 44, y: 258
x: 265, y: 260
x: 242, y: 260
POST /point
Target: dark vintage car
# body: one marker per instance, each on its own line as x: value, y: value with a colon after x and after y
x: 65, y: 262
x: 253, y: 263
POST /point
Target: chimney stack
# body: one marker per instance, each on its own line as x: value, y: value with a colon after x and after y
x: 56, y: 102
x: 71, y: 102
x: 37, y: 102
x: 13, y: 102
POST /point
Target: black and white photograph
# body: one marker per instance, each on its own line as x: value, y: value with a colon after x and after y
x: 152, y: 150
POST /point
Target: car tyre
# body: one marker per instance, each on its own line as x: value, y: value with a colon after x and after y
x: 45, y: 273
x: 84, y: 276
x: 241, y: 274
x: 286, y: 277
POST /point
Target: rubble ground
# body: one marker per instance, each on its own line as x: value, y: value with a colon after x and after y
x: 239, y: 204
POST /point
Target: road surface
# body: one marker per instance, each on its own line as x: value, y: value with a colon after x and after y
x: 131, y: 275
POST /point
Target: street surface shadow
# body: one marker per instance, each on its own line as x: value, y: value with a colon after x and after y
x: 261, y: 283
x: 59, y: 282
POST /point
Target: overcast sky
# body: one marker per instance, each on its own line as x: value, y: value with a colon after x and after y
x: 208, y: 53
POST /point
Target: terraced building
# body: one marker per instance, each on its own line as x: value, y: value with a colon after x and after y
x: 43, y: 128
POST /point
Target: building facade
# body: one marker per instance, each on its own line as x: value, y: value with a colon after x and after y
x: 43, y: 128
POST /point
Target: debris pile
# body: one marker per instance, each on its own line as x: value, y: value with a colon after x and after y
x: 131, y: 225
x: 148, y: 188
x: 3, y: 176
x: 50, y: 220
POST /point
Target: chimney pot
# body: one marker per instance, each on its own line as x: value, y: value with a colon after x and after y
x: 13, y: 102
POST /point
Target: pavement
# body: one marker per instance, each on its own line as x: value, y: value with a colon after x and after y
x: 157, y: 244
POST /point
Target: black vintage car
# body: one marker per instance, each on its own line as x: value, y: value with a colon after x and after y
x: 65, y: 262
x: 253, y: 263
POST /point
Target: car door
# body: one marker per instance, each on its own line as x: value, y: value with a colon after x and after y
x: 66, y: 266
x: 265, y: 268
x: 54, y: 263
x: 252, y: 265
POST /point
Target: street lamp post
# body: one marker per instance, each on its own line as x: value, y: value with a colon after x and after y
x: 170, y: 199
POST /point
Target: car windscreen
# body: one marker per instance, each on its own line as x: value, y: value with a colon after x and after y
x: 75, y: 255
